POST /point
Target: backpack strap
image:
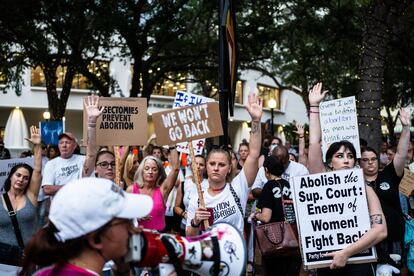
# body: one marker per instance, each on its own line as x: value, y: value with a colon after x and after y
x: 236, y: 198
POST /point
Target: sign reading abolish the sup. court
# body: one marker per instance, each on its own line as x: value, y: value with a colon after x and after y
x: 339, y: 122
x: 186, y: 99
x: 123, y: 122
x: 6, y: 165
x: 187, y: 123
x: 332, y: 212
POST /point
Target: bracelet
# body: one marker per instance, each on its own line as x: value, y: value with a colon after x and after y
x: 301, y: 136
x: 194, y: 225
x: 317, y: 112
x: 314, y: 106
x: 91, y: 124
x: 183, y: 213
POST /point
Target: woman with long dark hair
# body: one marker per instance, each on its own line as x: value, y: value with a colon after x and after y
x: 339, y: 156
x: 21, y: 189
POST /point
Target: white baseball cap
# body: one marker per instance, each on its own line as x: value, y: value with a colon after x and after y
x: 84, y: 205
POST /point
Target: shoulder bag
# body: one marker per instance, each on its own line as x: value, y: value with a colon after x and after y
x: 12, y: 254
x: 277, y: 238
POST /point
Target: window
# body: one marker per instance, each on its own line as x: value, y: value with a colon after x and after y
x: 239, y: 92
x: 79, y: 81
x: 170, y: 85
x: 3, y: 78
x: 267, y: 93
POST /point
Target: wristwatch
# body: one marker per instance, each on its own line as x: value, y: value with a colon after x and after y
x: 194, y: 225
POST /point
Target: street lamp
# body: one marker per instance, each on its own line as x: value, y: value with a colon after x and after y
x: 46, y: 115
x: 272, y: 105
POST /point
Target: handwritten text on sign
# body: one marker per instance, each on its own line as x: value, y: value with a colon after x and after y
x: 339, y: 122
x: 123, y: 122
x: 332, y: 212
x: 187, y: 123
x: 186, y: 99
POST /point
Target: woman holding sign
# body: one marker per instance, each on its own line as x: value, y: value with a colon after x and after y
x: 342, y: 155
x: 227, y: 202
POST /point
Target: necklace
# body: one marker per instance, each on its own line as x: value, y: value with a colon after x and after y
x: 219, y: 189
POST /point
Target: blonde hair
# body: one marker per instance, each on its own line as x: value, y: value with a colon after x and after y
x: 129, y: 162
x: 138, y: 177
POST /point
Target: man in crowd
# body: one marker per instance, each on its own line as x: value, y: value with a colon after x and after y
x: 69, y: 166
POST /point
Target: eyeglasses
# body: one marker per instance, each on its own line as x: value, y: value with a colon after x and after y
x: 373, y: 159
x: 105, y: 165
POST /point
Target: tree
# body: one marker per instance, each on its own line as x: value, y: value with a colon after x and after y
x: 52, y: 35
x: 379, y: 23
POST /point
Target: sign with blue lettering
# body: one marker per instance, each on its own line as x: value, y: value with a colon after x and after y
x: 332, y: 213
x: 186, y: 99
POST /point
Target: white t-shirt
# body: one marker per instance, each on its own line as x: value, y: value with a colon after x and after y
x: 294, y: 169
x: 59, y: 171
x: 224, y: 206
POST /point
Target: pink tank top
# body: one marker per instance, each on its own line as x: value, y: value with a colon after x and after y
x: 157, y: 222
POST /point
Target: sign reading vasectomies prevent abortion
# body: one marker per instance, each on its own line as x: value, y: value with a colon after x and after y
x: 332, y: 212
x: 123, y: 122
x: 187, y: 123
x: 339, y: 122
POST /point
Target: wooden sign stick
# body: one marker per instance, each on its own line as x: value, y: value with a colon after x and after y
x: 197, y: 181
x: 117, y: 179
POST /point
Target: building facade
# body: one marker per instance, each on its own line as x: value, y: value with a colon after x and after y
x: 33, y: 103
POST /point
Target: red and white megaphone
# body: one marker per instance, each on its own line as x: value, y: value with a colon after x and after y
x: 219, y: 251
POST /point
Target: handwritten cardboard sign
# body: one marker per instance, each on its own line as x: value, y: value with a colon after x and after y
x: 339, y: 122
x: 407, y: 183
x: 123, y: 122
x: 332, y: 212
x: 187, y: 99
x: 187, y: 123
x: 8, y: 164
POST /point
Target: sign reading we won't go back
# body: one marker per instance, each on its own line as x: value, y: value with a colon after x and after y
x: 187, y: 123
x: 332, y: 213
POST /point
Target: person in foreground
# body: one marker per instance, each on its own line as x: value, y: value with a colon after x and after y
x: 339, y: 156
x: 228, y: 201
x: 90, y: 222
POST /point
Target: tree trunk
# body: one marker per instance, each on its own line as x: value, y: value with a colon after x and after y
x: 136, y: 83
x: 375, y: 40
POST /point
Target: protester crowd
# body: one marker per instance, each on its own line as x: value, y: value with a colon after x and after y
x: 244, y: 188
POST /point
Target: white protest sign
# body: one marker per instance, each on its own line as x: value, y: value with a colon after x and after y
x: 187, y: 99
x: 6, y: 165
x: 339, y: 122
x: 331, y: 213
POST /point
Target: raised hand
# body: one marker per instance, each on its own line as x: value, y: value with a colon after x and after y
x: 316, y: 95
x: 300, y: 130
x: 404, y: 118
x: 254, y: 107
x: 91, y: 107
x: 34, y: 136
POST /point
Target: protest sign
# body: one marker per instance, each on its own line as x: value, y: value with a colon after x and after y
x: 123, y: 122
x: 187, y: 123
x: 6, y: 165
x: 187, y: 99
x: 339, y: 122
x: 50, y: 131
x: 407, y: 183
x: 331, y: 213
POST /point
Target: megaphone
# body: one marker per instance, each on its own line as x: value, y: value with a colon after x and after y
x: 221, y: 250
